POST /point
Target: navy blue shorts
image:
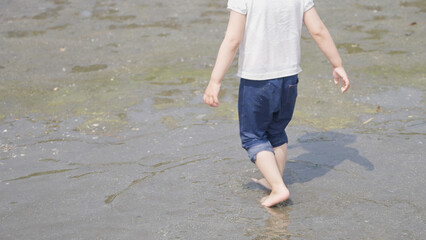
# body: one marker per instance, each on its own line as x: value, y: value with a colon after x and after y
x: 265, y: 108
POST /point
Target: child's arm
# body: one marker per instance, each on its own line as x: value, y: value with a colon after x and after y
x: 322, y: 37
x: 234, y: 35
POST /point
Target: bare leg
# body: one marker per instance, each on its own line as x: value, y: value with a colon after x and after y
x: 281, y: 159
x: 267, y: 164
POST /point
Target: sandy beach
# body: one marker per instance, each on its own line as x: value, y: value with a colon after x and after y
x: 104, y: 135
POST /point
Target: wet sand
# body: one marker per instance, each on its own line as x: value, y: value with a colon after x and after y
x: 104, y: 134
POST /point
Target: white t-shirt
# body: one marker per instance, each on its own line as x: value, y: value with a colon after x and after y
x: 271, y: 44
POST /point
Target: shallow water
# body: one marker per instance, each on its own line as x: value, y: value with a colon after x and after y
x: 104, y: 134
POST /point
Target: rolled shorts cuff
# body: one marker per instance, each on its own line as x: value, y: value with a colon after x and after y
x: 278, y: 140
x: 255, y: 149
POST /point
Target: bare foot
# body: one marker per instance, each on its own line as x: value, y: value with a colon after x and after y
x: 262, y: 182
x: 276, y: 197
x: 263, y: 199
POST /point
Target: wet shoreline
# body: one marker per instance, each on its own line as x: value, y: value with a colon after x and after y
x: 104, y: 134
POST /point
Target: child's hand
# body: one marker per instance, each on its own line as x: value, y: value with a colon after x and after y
x: 339, y: 73
x: 211, y: 93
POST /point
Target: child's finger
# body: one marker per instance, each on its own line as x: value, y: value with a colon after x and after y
x: 345, y: 86
x: 337, y: 76
x: 336, y: 80
x: 212, y: 101
x: 215, y: 101
x: 205, y: 99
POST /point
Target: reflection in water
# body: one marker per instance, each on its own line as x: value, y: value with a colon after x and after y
x: 275, y: 226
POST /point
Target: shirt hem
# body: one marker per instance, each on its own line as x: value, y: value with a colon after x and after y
x: 267, y: 76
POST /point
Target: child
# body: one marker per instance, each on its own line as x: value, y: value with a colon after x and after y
x: 267, y: 33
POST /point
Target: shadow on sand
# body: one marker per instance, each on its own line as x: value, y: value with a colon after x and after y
x: 324, y: 151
